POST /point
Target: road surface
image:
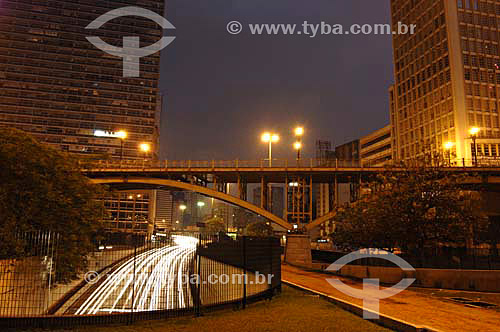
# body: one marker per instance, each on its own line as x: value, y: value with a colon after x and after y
x: 159, y: 282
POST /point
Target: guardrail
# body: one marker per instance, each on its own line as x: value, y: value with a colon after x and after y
x: 276, y: 164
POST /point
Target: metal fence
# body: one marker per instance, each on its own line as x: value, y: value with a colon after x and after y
x: 132, y: 278
x: 439, y: 258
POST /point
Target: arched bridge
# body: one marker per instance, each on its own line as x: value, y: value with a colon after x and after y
x: 173, y: 184
x: 211, y: 178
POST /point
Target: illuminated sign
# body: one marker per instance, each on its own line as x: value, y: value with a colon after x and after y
x: 102, y: 133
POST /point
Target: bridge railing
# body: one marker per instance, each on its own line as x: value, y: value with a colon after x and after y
x: 278, y: 163
x: 234, y: 164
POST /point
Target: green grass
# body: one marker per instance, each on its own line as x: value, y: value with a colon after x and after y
x: 291, y: 311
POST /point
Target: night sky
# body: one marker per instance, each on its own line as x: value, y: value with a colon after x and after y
x: 222, y: 91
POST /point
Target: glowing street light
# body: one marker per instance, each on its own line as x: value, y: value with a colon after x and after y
x: 122, y: 135
x: 448, y: 146
x: 200, y: 204
x: 474, y: 131
x: 182, y: 207
x: 270, y: 138
x: 145, y: 147
x: 299, y: 132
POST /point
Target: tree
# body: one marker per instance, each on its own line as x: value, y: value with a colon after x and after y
x: 215, y: 225
x: 259, y: 229
x: 43, y: 190
x: 413, y: 210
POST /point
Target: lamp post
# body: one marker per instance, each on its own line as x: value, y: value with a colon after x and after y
x: 474, y: 131
x: 122, y: 135
x: 183, y: 208
x: 270, y: 138
x: 299, y: 132
x: 200, y: 205
x: 448, y: 146
x: 145, y: 147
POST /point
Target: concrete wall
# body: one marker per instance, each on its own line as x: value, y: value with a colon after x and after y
x: 298, y: 250
x: 473, y: 280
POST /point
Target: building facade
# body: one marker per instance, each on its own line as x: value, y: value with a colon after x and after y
x: 55, y: 85
x: 58, y: 87
x: 447, y: 78
x: 376, y: 148
x: 348, y: 154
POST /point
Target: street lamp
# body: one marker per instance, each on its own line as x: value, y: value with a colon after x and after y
x: 297, y: 146
x: 122, y: 135
x: 200, y: 205
x: 145, y: 147
x: 183, y: 208
x: 474, y: 131
x: 270, y: 138
x: 448, y: 146
x: 299, y: 132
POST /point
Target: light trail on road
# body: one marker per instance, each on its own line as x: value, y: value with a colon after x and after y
x: 159, y: 282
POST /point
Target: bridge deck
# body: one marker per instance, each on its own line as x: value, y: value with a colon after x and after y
x: 273, y: 174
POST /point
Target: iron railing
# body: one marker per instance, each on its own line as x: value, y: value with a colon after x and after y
x: 277, y: 164
x: 136, y: 278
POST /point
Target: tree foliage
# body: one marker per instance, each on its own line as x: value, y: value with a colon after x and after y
x: 259, y: 229
x: 43, y: 190
x: 419, y: 208
x: 215, y: 225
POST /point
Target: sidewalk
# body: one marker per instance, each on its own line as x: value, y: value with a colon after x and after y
x: 416, y: 307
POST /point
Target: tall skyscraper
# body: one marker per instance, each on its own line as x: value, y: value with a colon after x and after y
x: 57, y: 86
x: 447, y: 78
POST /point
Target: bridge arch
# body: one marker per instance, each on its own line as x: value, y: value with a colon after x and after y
x: 199, y: 189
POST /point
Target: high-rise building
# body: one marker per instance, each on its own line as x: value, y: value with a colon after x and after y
x: 164, y: 210
x: 447, y: 78
x: 57, y: 86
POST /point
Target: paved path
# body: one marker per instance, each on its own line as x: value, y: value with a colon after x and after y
x: 414, y: 307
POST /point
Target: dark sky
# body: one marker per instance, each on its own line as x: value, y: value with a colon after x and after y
x: 222, y: 91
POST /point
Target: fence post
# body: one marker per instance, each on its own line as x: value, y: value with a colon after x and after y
x: 198, y: 281
x: 133, y: 282
x: 271, y: 258
x: 244, y: 304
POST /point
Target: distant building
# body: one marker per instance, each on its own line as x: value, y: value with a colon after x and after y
x: 276, y: 202
x: 348, y: 154
x: 376, y: 148
x: 164, y: 210
x: 129, y: 212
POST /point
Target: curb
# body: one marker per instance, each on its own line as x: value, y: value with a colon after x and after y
x: 383, y: 320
